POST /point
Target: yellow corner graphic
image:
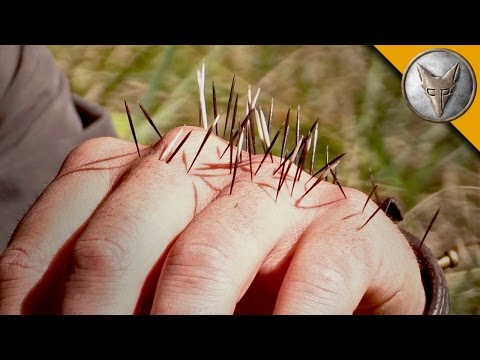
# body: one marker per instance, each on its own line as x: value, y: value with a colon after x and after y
x: 401, y: 55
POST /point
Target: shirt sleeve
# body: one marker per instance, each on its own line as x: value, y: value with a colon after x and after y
x: 41, y: 121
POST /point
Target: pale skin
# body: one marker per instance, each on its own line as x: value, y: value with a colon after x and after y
x: 118, y: 234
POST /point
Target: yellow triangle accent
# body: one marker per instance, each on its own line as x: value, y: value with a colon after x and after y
x: 400, y: 56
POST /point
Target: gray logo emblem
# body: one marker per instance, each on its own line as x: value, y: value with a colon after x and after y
x: 439, y: 85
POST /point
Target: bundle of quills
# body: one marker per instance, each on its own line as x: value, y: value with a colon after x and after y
x: 242, y: 138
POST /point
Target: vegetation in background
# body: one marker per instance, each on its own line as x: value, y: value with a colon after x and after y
x: 357, y: 96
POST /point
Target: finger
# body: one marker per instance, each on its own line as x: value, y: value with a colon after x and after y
x: 338, y: 268
x: 216, y: 257
x: 58, y: 215
x: 132, y: 228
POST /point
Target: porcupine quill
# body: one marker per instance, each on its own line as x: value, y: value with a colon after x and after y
x: 179, y: 146
x: 338, y: 183
x: 304, y: 153
x: 265, y: 132
x: 232, y: 88
x: 269, y: 150
x: 258, y: 121
x: 230, y: 143
x: 321, y: 171
x: 330, y: 163
x: 170, y: 146
x: 285, y: 159
x: 131, y: 126
x: 326, y: 162
x: 149, y: 119
x: 291, y: 160
x: 394, y: 212
x: 315, y: 139
x: 369, y: 196
x: 309, y: 134
x: 303, y: 159
x: 297, y: 130
x: 285, y: 133
x: 326, y: 155
x: 270, y: 118
x: 214, y: 96
x: 241, y: 129
x: 236, y: 132
x: 374, y: 213
x: 429, y: 227
x: 201, y: 90
x: 303, y: 156
x: 377, y: 199
x: 284, y: 142
x: 249, y: 149
x: 251, y: 105
x: 207, y: 135
x: 280, y: 182
x: 237, y: 158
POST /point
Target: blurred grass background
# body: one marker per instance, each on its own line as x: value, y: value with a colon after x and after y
x: 357, y: 96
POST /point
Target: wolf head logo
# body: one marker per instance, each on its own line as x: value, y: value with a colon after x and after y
x: 438, y: 88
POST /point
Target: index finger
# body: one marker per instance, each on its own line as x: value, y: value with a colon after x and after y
x: 54, y: 220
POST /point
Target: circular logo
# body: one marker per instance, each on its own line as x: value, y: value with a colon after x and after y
x: 439, y: 85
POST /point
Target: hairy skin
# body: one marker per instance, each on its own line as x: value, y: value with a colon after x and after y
x: 118, y: 234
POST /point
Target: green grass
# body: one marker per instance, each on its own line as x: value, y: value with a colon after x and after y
x: 355, y: 93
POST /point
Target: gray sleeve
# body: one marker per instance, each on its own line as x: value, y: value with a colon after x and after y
x: 40, y: 123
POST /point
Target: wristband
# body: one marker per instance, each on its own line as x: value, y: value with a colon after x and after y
x: 437, y: 301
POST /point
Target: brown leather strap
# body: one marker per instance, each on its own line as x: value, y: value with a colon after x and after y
x: 433, y: 278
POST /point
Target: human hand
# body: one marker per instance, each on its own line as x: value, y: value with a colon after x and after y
x: 115, y: 234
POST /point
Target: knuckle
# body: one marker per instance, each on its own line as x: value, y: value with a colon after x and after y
x: 362, y: 244
x: 355, y: 199
x: 268, y: 174
x: 194, y: 140
x: 267, y: 169
x: 323, y: 286
x: 172, y: 133
x: 100, y: 253
x: 15, y: 264
x: 194, y: 264
x: 90, y: 150
x: 325, y: 277
x: 317, y: 299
